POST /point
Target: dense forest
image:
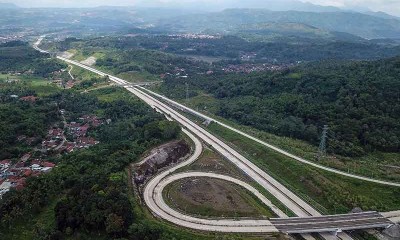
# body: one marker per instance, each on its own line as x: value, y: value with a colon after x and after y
x: 358, y: 100
x: 88, y: 189
x: 19, y: 57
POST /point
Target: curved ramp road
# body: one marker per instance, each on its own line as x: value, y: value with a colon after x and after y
x: 154, y: 200
x: 174, y: 103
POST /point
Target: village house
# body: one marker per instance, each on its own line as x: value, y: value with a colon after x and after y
x: 4, y: 164
x: 31, y: 99
x: 25, y: 157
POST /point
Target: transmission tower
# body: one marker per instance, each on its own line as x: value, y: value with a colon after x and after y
x: 187, y: 92
x: 322, y: 144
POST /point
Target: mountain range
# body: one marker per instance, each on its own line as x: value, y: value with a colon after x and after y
x: 274, y: 5
x: 359, y: 24
x: 7, y: 5
x: 282, y: 18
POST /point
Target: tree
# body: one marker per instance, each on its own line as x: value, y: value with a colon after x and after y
x: 114, y: 224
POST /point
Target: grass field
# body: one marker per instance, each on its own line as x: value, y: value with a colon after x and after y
x: 82, y: 74
x: 79, y: 55
x: 206, y: 197
x: 111, y: 94
x: 41, y: 86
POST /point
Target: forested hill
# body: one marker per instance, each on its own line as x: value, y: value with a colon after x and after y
x: 17, y: 56
x: 359, y: 24
x: 360, y: 101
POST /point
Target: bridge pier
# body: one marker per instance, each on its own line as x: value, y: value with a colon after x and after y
x: 393, y: 231
x: 338, y: 231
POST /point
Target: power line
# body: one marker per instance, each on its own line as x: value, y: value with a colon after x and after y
x: 322, y: 144
x: 187, y: 92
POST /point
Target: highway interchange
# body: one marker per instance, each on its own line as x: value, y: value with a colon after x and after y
x: 153, y: 190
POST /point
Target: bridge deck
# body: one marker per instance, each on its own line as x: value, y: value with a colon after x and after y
x: 331, y: 223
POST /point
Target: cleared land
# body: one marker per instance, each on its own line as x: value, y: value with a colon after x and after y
x: 213, y: 198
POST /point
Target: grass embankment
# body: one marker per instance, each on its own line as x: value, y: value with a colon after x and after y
x: 209, y: 161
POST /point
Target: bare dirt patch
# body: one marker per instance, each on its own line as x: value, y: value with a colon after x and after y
x: 90, y: 61
x: 158, y: 158
x: 214, y: 198
x: 67, y: 55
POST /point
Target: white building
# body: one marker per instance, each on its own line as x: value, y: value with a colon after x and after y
x: 4, y: 187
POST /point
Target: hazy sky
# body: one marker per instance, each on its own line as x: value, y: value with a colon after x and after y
x: 390, y: 6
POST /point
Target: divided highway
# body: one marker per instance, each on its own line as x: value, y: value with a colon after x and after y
x: 153, y: 189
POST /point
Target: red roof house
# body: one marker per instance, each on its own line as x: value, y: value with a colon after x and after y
x: 48, y: 164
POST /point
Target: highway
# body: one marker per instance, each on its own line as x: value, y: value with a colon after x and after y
x: 302, y: 160
x: 37, y: 43
x: 158, y: 207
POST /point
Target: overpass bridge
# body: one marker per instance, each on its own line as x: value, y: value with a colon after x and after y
x: 331, y: 223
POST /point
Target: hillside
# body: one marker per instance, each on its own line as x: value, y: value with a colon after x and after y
x: 19, y: 57
x: 275, y: 5
x: 8, y: 5
x: 359, y: 24
x: 288, y: 30
x: 358, y: 100
x: 277, y: 48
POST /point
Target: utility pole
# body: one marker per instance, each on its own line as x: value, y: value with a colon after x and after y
x: 322, y: 144
x: 187, y: 92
